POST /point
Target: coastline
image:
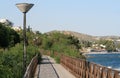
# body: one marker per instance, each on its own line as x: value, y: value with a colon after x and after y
x: 84, y: 53
x: 103, y: 58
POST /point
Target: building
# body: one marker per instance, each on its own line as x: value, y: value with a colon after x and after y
x: 6, y: 22
x: 16, y: 28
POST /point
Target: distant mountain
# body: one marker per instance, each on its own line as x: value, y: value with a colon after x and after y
x: 85, y: 37
x: 109, y: 37
x: 80, y: 36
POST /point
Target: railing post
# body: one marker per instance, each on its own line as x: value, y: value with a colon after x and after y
x: 116, y: 74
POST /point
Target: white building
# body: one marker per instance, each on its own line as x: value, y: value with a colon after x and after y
x: 17, y: 28
x: 6, y: 22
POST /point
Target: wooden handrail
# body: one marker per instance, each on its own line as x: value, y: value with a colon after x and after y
x: 85, y: 69
x: 31, y: 67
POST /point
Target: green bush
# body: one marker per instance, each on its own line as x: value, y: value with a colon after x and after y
x: 11, y: 61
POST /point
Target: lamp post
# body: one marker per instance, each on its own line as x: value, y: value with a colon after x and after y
x: 24, y: 8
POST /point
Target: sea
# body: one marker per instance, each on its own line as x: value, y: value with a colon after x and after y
x: 110, y: 60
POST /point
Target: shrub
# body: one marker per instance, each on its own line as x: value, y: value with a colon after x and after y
x: 11, y: 61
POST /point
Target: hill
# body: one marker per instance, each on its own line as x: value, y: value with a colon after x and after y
x: 80, y: 36
x: 86, y: 37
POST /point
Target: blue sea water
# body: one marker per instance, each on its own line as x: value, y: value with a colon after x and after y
x: 111, y: 60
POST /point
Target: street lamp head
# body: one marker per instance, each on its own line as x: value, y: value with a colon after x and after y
x: 24, y: 7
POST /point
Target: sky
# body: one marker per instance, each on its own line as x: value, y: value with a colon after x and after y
x: 93, y: 17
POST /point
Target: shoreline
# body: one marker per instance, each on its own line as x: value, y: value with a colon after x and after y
x: 84, y: 53
x: 89, y: 55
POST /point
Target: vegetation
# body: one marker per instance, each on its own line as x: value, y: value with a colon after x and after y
x: 11, y: 61
x: 11, y: 52
x: 11, y: 48
x: 8, y: 37
x: 110, y: 45
x: 62, y: 44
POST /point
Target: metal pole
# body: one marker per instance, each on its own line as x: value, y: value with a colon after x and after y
x: 24, y: 8
x: 24, y: 41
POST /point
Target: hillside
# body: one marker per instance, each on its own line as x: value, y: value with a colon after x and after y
x: 85, y: 37
x: 80, y: 36
x: 108, y: 37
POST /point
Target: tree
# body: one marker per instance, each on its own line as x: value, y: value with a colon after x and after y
x: 110, y: 46
x: 8, y: 36
x: 13, y: 37
x: 4, y: 36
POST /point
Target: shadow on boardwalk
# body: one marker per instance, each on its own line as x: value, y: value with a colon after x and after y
x: 45, y: 60
x: 49, y: 69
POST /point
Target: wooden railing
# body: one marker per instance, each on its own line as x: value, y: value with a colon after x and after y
x: 31, y: 67
x: 85, y: 69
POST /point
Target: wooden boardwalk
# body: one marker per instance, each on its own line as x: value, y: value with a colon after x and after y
x: 49, y: 69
